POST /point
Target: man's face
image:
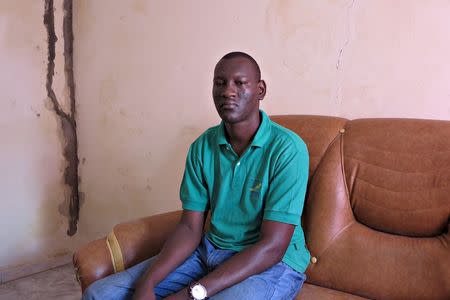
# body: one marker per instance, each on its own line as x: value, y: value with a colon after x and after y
x: 236, y: 90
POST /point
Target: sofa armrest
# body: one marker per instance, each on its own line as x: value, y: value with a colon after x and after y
x: 128, y: 244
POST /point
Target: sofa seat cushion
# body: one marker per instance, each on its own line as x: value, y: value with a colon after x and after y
x: 314, y: 292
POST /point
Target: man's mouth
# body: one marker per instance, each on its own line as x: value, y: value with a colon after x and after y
x: 228, y: 105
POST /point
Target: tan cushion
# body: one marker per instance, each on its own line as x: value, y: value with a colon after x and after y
x: 366, y: 249
x: 314, y: 292
x: 137, y: 241
x: 317, y: 132
x: 398, y: 174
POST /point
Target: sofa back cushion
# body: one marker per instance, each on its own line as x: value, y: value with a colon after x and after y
x: 398, y: 175
x: 377, y: 214
x: 318, y: 132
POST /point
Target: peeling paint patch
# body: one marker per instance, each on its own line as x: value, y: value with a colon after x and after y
x: 68, y: 123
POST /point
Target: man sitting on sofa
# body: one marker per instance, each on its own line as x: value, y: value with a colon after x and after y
x: 251, y: 175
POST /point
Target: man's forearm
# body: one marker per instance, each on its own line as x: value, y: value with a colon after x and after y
x: 253, y: 260
x: 275, y: 238
x: 177, y: 248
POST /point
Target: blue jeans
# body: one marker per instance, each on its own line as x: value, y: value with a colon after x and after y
x: 278, y: 282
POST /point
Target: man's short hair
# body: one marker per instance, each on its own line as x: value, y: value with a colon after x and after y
x: 236, y: 54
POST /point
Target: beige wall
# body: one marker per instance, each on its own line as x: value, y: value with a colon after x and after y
x: 143, y: 73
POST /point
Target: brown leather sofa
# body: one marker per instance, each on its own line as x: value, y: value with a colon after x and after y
x: 376, y: 215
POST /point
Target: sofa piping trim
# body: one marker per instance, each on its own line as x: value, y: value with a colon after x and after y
x: 115, y: 252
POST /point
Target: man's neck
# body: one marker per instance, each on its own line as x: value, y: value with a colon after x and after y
x: 241, y: 134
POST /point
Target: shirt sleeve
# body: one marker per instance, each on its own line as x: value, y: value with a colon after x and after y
x: 287, y: 187
x: 193, y: 190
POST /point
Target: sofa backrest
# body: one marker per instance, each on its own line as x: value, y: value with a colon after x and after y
x: 377, y: 212
x: 318, y: 132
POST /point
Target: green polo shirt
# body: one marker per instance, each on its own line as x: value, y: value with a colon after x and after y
x: 267, y: 182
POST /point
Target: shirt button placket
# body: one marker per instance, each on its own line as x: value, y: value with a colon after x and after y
x: 235, y: 171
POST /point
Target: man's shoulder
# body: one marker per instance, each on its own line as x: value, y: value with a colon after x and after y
x: 205, y: 140
x: 283, y: 137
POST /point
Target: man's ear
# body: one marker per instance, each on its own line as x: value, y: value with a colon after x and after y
x: 261, y: 90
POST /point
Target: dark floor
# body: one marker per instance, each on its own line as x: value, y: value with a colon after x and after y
x: 58, y: 283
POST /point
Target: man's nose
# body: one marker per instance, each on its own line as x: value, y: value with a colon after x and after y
x: 229, y: 90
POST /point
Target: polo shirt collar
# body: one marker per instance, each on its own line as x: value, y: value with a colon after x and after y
x: 261, y: 137
x: 263, y: 133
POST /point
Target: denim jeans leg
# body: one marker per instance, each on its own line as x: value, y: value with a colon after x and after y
x: 212, y: 256
x: 190, y: 271
x: 279, y: 282
x: 119, y: 286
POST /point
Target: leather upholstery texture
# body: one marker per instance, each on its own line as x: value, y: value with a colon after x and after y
x: 376, y: 216
x: 138, y: 240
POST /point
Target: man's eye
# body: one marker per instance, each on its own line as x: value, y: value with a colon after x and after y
x: 219, y: 82
x: 239, y: 82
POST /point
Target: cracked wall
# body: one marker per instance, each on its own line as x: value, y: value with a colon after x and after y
x: 36, y: 158
x: 358, y: 59
x: 66, y: 118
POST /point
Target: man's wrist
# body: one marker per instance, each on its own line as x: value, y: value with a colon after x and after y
x: 197, y: 291
x: 145, y: 285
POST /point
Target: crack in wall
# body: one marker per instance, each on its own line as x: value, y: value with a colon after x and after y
x: 347, y: 40
x: 68, y: 123
x: 350, y: 11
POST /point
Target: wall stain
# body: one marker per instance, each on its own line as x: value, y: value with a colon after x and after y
x: 68, y: 123
x: 282, y: 19
x: 35, y: 112
x: 140, y: 6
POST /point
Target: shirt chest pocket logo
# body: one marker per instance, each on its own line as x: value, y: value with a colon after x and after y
x: 255, y: 189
